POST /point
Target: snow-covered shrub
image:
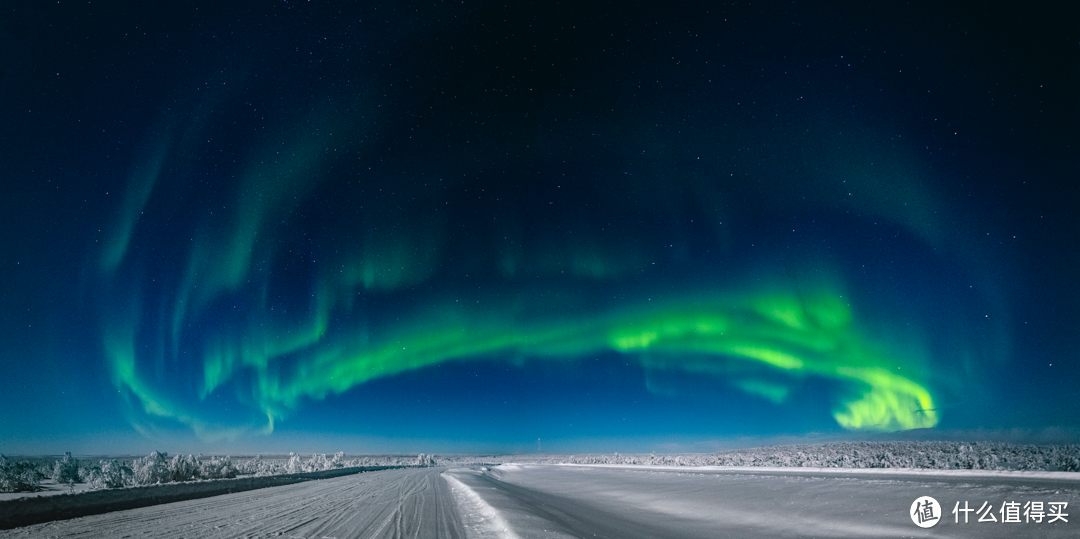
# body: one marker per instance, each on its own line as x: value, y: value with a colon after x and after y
x: 295, y: 464
x: 19, y: 476
x: 183, y: 468
x: 66, y: 470
x: 152, y: 469
x: 923, y: 455
x: 216, y: 468
x: 157, y: 468
x: 250, y: 466
x: 259, y: 467
x: 109, y: 474
x: 1066, y: 461
x: 317, y: 463
x: 85, y: 470
x: 44, y: 468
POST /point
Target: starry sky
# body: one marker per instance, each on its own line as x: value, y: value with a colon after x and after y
x: 471, y: 226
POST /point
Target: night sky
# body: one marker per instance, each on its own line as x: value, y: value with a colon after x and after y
x: 557, y: 226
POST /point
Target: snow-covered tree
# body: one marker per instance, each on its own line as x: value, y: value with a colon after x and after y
x: 109, y: 474
x: 184, y: 468
x: 217, y: 468
x: 295, y: 464
x: 152, y: 469
x: 66, y: 470
x: 18, y: 476
x: 338, y: 461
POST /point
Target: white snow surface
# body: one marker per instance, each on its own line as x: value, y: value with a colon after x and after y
x: 627, y: 502
x: 526, y: 501
x: 481, y: 520
x: 399, y: 503
x: 1024, y: 476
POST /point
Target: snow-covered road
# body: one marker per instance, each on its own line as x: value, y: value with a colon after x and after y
x: 616, y: 502
x: 402, y: 503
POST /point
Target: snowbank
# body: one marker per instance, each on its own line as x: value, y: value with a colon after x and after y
x: 480, y: 519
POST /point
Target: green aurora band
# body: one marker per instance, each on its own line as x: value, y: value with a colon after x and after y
x: 222, y: 312
x: 761, y: 344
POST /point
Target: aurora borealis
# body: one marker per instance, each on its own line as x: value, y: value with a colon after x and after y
x: 471, y: 226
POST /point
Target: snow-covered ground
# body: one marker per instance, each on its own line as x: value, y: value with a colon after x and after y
x: 47, y: 487
x: 620, y: 502
x: 650, y: 502
x: 826, y: 490
x: 413, y: 502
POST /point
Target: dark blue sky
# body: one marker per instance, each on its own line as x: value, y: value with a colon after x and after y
x: 466, y: 226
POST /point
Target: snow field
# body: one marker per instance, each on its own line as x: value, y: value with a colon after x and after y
x: 850, y: 489
x: 627, y: 502
x: 648, y: 502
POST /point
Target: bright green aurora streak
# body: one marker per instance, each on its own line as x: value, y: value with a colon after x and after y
x: 746, y: 341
